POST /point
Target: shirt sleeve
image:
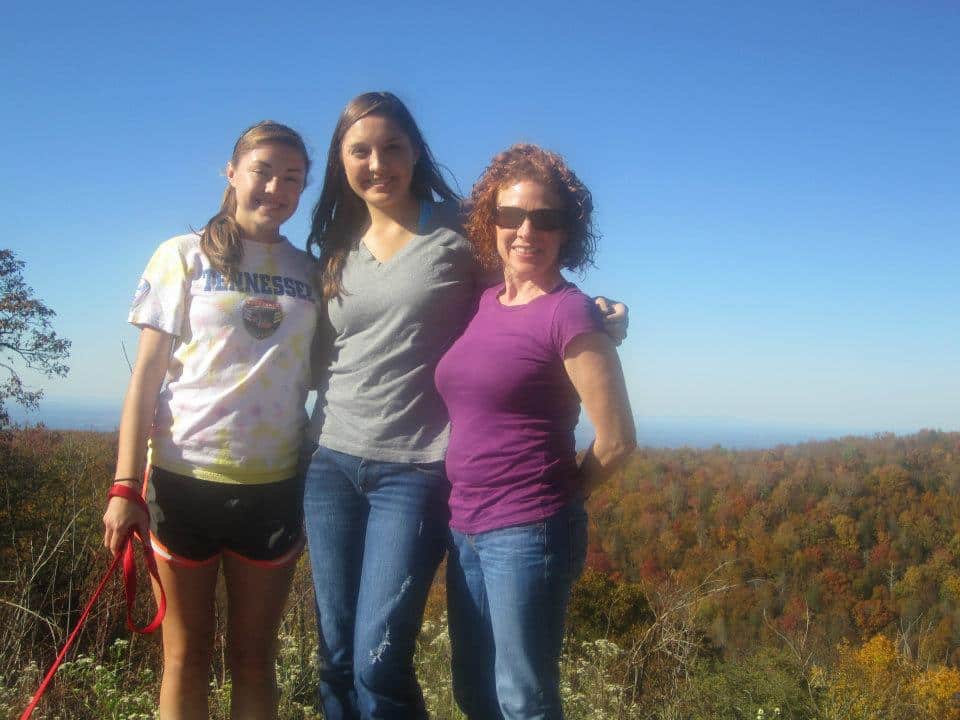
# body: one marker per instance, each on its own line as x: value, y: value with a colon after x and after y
x: 161, y: 296
x: 469, y: 269
x: 576, y: 315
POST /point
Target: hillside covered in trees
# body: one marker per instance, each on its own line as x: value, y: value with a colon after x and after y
x: 854, y: 537
x: 817, y: 582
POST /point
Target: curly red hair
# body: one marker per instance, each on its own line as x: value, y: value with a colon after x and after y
x: 531, y: 162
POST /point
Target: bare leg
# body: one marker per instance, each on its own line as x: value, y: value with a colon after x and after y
x: 188, y: 629
x: 256, y: 597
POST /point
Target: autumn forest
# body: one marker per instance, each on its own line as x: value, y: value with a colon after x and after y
x: 819, y: 580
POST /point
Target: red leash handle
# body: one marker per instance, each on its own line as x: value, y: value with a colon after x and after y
x: 129, y: 588
x: 130, y: 566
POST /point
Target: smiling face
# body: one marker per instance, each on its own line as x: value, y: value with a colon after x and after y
x: 378, y: 160
x: 268, y: 181
x: 526, y: 252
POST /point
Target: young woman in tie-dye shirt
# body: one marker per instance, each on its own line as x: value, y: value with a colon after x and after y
x: 216, y: 402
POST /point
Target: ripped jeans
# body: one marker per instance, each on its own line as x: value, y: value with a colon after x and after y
x: 376, y: 533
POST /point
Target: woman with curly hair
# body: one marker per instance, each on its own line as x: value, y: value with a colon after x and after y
x: 513, y: 384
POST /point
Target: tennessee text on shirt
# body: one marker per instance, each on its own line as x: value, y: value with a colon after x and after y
x: 259, y: 283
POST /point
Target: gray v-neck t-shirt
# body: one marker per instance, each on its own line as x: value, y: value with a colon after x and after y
x: 389, y: 329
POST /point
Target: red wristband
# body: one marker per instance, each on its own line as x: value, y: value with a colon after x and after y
x: 118, y: 489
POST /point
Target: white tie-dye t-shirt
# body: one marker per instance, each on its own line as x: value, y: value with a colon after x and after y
x: 232, y: 407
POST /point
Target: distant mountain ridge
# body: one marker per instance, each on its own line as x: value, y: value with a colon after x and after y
x: 652, y: 431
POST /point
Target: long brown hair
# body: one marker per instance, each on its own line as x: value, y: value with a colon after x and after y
x: 339, y: 215
x: 220, y: 238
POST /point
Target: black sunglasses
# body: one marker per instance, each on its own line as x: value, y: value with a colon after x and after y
x: 543, y: 219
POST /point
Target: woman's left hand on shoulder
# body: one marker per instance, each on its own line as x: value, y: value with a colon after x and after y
x: 615, y: 318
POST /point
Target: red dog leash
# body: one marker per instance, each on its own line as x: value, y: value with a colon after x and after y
x: 129, y: 589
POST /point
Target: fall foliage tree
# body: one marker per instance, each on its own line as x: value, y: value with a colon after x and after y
x: 27, y: 339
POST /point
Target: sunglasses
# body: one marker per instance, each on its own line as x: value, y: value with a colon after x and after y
x: 543, y: 219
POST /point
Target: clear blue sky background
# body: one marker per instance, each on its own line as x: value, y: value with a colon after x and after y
x: 778, y: 184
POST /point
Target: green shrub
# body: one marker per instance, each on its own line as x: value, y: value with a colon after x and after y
x: 767, y: 685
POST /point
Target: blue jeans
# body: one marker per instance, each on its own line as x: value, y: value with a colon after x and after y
x: 376, y: 532
x: 507, y: 592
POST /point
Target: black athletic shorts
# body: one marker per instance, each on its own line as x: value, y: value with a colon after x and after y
x: 192, y: 522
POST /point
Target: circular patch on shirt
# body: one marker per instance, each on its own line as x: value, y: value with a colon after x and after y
x: 143, y: 287
x: 261, y: 316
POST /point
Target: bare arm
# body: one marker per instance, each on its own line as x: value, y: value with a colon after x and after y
x: 139, y: 406
x: 594, y: 369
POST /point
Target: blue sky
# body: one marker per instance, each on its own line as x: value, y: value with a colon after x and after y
x: 778, y: 184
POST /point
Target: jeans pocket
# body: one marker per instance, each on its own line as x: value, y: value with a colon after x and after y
x: 433, y: 469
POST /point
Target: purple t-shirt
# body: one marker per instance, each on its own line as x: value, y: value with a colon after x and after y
x: 511, y: 458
